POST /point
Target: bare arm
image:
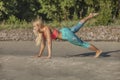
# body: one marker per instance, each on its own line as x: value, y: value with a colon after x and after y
x: 49, y: 42
x: 42, y: 47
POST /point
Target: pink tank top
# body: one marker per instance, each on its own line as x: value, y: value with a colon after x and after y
x: 53, y: 35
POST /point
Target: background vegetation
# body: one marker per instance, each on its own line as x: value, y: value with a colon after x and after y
x: 19, y: 13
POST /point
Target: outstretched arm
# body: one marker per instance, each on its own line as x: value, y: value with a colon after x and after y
x: 42, y: 47
x: 49, y: 42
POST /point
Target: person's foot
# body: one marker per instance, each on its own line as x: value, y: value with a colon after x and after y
x: 98, y: 53
x: 93, y: 14
x: 46, y: 57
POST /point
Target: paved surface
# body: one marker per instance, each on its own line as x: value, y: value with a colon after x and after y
x: 69, y: 62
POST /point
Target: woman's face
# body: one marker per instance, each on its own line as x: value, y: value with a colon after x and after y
x: 36, y: 26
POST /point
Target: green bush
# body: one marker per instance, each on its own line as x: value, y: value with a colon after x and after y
x: 19, y: 13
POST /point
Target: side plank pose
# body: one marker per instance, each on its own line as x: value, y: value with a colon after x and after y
x: 45, y: 34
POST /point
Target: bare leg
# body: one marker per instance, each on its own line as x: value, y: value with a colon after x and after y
x: 91, y: 15
x: 77, y: 27
x: 93, y: 48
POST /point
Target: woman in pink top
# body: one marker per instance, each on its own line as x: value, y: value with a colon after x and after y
x: 45, y: 34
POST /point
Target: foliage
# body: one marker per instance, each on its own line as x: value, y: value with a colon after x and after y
x: 58, y: 11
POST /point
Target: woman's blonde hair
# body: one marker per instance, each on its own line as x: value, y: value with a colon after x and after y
x: 36, y: 33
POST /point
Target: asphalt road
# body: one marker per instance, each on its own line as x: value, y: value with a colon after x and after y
x: 68, y: 62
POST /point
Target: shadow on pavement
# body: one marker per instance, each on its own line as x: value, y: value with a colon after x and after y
x: 104, y: 54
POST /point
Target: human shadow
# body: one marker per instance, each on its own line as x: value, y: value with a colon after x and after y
x: 104, y: 54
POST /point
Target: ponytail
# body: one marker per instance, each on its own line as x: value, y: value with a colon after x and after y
x: 38, y: 37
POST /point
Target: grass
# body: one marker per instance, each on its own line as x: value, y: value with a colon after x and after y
x: 26, y: 25
x: 21, y: 25
x: 116, y: 23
